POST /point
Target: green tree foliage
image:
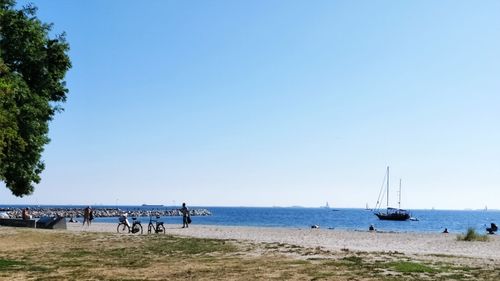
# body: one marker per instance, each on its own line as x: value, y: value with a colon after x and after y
x: 32, y: 88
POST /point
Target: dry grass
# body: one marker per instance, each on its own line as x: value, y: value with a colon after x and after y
x: 472, y: 235
x: 29, y: 254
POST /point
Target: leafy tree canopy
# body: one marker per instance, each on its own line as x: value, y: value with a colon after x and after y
x: 32, y: 88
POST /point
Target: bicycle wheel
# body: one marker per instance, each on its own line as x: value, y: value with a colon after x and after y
x: 150, y: 228
x: 160, y: 229
x: 123, y: 228
x: 137, y: 229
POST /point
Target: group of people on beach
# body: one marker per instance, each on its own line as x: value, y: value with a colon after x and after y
x: 88, y: 216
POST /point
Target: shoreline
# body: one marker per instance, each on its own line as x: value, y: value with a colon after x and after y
x: 177, y: 220
x: 145, y: 220
x: 426, y: 244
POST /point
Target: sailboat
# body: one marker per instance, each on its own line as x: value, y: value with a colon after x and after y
x: 394, y: 214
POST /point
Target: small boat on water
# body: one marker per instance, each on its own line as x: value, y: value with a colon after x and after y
x: 393, y: 214
x: 327, y: 206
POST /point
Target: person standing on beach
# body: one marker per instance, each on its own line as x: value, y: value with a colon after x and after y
x: 185, y: 215
x: 91, y: 215
x: 86, y: 215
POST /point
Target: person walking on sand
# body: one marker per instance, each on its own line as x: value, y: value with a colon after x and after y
x: 86, y: 215
x: 185, y: 215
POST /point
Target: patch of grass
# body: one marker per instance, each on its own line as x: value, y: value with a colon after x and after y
x: 119, y: 253
x: 7, y: 265
x: 353, y: 259
x: 10, y: 264
x: 411, y: 267
x: 467, y: 268
x: 188, y: 246
x: 472, y: 235
x: 77, y: 253
x: 332, y: 263
x: 322, y: 275
x: 442, y: 255
x: 299, y: 262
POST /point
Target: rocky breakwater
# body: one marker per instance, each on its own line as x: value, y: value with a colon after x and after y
x: 38, y: 212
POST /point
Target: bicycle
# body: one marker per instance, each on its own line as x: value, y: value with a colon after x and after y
x: 157, y: 227
x: 123, y: 227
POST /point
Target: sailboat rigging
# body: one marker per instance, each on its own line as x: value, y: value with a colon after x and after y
x: 395, y: 214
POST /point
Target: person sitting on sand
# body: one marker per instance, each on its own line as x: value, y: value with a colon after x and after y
x: 492, y: 229
x: 445, y: 230
x: 371, y: 228
x: 26, y: 214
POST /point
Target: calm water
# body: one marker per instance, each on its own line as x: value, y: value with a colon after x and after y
x: 349, y: 219
x: 352, y: 219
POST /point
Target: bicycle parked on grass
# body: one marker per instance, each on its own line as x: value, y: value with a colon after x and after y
x: 155, y: 225
x: 124, y: 226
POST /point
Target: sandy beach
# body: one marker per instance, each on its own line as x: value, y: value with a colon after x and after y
x: 335, y: 240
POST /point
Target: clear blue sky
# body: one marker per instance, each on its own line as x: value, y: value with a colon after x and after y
x: 275, y: 103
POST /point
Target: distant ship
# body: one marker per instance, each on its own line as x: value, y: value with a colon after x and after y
x: 327, y: 206
x: 152, y: 206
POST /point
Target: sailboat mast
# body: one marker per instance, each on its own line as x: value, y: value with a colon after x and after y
x: 399, y: 202
x: 387, y: 186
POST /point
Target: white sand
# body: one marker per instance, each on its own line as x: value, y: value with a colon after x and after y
x: 335, y: 240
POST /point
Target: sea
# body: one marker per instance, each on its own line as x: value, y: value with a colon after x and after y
x: 433, y: 221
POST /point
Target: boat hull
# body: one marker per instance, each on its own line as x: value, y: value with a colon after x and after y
x: 393, y: 216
